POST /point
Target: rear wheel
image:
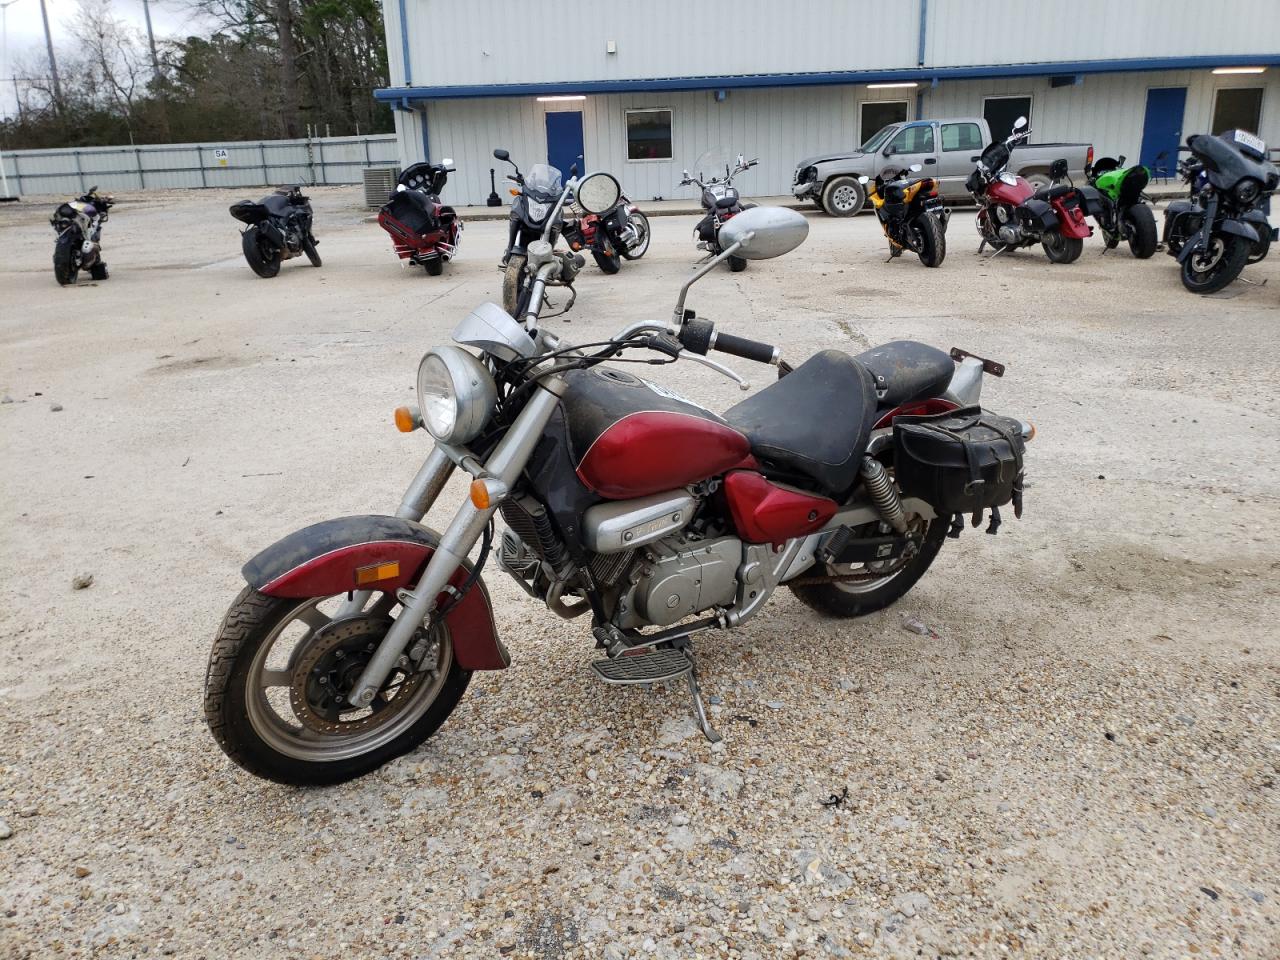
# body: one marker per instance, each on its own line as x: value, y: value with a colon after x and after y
x: 879, y: 584
x: 309, y: 248
x: 641, y: 225
x: 263, y: 258
x: 1060, y: 249
x: 278, y: 675
x: 1140, y: 225
x: 514, y: 281
x: 434, y: 266
x: 66, y: 260
x: 1215, y: 267
x: 737, y: 264
x: 932, y: 241
x: 843, y: 197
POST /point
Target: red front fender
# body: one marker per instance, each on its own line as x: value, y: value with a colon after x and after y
x: 378, y: 553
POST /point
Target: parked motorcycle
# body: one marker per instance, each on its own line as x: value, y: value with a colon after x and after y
x: 423, y: 230
x: 910, y: 212
x: 1119, y: 205
x: 719, y: 199
x: 279, y: 229
x: 354, y: 639
x: 78, y: 225
x: 1013, y: 214
x: 616, y: 235
x: 1224, y: 226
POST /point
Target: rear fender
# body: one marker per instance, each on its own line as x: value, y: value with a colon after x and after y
x: 1071, y: 222
x: 378, y: 553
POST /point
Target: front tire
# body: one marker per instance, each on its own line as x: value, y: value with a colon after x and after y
x: 514, y: 279
x: 606, y: 259
x: 309, y: 248
x: 843, y: 197
x: 859, y: 599
x: 262, y: 257
x: 249, y: 726
x: 1060, y: 249
x: 933, y: 241
x: 1211, y: 270
x: 1140, y: 224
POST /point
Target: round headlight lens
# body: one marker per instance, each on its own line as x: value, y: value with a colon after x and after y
x: 1247, y: 190
x: 456, y: 394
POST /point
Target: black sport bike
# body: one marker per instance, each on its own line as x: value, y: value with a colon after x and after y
x: 279, y: 229
x: 78, y: 224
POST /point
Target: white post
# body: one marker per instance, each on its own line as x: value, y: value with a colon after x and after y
x: 4, y: 180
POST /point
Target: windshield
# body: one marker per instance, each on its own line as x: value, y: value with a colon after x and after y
x: 543, y: 182
x: 1225, y: 163
x: 714, y: 164
x: 878, y: 138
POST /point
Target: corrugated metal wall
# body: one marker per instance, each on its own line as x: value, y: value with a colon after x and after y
x: 151, y: 167
x: 510, y: 41
x: 782, y: 125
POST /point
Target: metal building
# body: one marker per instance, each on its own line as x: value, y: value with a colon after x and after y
x: 641, y: 89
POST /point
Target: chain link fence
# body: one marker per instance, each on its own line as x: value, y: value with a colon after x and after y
x: 323, y: 160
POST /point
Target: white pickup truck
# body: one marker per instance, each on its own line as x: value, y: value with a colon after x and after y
x: 946, y: 149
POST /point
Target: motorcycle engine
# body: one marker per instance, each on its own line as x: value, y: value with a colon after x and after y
x: 678, y: 576
x: 1010, y: 233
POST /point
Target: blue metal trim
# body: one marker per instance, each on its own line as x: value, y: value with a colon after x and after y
x: 404, y: 46
x: 924, y: 27
x: 426, y: 142
x: 920, y: 74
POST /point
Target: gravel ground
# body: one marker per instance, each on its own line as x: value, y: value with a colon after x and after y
x: 1082, y: 761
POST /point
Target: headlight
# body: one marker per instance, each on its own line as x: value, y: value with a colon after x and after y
x: 807, y: 175
x: 1247, y: 190
x: 456, y: 394
x: 537, y: 211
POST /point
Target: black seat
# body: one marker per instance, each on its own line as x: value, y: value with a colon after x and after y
x: 813, y: 424
x: 725, y: 203
x: 1053, y: 191
x: 905, y: 370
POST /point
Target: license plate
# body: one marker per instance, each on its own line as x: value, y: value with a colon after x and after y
x: 1247, y: 139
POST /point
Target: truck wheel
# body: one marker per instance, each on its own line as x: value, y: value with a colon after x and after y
x: 843, y: 197
x: 1037, y: 179
x: 1141, y: 223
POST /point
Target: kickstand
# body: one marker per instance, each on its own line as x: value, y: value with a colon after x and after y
x: 998, y: 252
x: 699, y: 711
x: 982, y: 246
x: 1256, y: 283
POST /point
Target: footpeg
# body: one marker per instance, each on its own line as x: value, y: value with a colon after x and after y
x: 655, y: 666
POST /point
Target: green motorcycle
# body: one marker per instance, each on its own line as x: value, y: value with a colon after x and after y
x: 1120, y: 207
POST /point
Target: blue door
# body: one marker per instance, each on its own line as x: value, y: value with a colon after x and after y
x: 1162, y: 128
x: 564, y: 140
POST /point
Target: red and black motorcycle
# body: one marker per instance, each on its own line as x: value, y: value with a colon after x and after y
x: 621, y: 233
x: 1012, y: 213
x: 423, y: 229
x: 622, y: 503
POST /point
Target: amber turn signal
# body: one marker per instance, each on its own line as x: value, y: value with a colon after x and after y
x: 479, y: 495
x: 514, y: 192
x: 408, y: 419
x: 487, y: 492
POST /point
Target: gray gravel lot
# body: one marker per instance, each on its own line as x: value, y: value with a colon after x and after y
x: 1085, y: 763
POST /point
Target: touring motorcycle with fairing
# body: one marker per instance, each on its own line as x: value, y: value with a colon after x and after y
x: 655, y: 520
x: 719, y: 198
x: 423, y: 229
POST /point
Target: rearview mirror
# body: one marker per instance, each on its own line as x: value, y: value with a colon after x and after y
x: 598, y: 193
x: 1019, y: 123
x: 888, y: 151
x: 764, y: 232
x: 501, y: 154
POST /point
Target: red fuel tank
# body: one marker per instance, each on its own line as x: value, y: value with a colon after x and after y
x: 630, y: 438
x: 1013, y: 194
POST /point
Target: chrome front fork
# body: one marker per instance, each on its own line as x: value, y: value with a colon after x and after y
x: 505, y: 465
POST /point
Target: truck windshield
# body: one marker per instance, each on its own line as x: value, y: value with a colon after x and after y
x: 877, y: 140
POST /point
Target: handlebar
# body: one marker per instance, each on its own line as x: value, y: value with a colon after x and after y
x: 699, y: 336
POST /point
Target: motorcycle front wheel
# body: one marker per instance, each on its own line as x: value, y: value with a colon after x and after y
x: 605, y: 258
x: 514, y: 279
x: 879, y: 585
x: 263, y: 258
x: 1060, y: 249
x: 277, y: 676
x: 1217, y: 266
x: 309, y: 248
x: 66, y: 260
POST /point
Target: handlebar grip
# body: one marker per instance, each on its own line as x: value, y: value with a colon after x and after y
x: 744, y: 348
x: 696, y: 335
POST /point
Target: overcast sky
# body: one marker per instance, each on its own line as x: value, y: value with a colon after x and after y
x: 24, y: 32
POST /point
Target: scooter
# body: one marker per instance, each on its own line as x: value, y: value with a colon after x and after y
x: 279, y: 229
x: 423, y: 230
x: 910, y: 212
x: 720, y: 200
x: 1013, y: 214
x: 1120, y: 207
x: 78, y: 224
x: 650, y: 517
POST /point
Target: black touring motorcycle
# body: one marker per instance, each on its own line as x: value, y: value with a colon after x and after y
x: 279, y: 230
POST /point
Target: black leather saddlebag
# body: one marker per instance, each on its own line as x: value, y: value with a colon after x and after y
x: 1038, y: 215
x: 1092, y: 201
x: 964, y: 461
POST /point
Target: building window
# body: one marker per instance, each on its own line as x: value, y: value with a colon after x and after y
x: 1000, y: 112
x: 961, y: 136
x: 877, y: 114
x: 649, y: 135
x: 913, y: 139
x: 1238, y: 109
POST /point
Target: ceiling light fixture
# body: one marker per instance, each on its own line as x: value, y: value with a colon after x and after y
x: 892, y: 86
x: 561, y: 99
x: 1227, y: 70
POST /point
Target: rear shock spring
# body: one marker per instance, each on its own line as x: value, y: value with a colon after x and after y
x: 883, y: 495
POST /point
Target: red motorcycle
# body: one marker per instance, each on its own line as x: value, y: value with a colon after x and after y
x: 1012, y: 213
x: 621, y: 233
x: 423, y: 230
x: 623, y: 503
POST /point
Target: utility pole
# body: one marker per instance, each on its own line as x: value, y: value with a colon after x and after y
x: 53, y: 63
x: 151, y: 37
x: 156, y: 79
